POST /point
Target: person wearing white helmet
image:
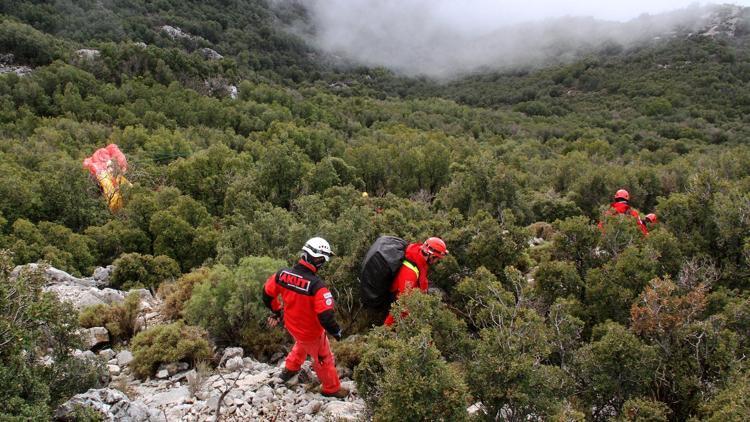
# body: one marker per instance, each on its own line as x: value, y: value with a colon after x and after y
x: 307, y: 312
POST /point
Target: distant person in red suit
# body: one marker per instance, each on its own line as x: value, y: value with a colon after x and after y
x: 621, y: 206
x: 413, y: 272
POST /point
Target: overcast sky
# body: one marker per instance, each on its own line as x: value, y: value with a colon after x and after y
x: 489, y: 13
x: 445, y: 38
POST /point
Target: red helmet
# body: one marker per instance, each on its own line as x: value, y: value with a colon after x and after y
x: 434, y: 247
x: 622, y: 194
x: 651, y: 218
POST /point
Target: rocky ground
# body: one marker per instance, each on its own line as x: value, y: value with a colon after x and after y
x: 251, y: 391
x: 247, y: 389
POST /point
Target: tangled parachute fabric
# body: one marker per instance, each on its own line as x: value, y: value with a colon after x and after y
x: 108, y: 165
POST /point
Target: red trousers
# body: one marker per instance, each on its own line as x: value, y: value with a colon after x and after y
x: 322, y: 358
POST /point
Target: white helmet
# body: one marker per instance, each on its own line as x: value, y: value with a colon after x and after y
x: 318, y: 247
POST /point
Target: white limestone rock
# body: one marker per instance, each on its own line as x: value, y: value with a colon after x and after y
x: 94, y: 336
x: 343, y: 410
x: 124, y: 358
x: 234, y: 363
x: 231, y: 352
x: 88, y: 53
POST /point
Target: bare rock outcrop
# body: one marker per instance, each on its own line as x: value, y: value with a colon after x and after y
x: 111, y: 404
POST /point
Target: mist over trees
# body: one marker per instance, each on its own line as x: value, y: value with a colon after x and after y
x: 543, y: 314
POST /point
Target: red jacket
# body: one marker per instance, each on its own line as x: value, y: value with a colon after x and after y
x: 407, y: 278
x: 413, y: 273
x: 306, y: 301
x: 624, y: 208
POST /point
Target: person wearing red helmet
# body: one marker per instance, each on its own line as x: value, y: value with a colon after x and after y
x: 621, y: 206
x: 307, y: 306
x: 650, y: 219
x: 413, y: 272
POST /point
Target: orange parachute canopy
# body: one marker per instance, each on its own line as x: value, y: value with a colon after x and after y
x: 108, y: 165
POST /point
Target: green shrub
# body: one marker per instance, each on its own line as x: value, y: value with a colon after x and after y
x: 229, y: 304
x: 134, y: 270
x: 557, y: 279
x: 34, y: 324
x: 549, y: 207
x: 29, y: 45
x: 94, y: 316
x: 120, y: 319
x: 115, y: 238
x: 619, y: 233
x: 436, y: 390
x: 644, y: 410
x: 415, y: 312
x: 483, y: 298
x: 542, y: 230
x: 507, y: 375
x: 86, y: 414
x: 611, y: 289
x: 576, y: 241
x: 53, y: 243
x: 176, y: 294
x: 175, y: 342
x: 656, y: 106
x: 123, y: 317
x: 731, y: 402
x: 348, y: 352
x: 614, y: 367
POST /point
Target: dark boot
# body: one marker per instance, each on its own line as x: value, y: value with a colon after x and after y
x: 286, y: 374
x: 341, y: 394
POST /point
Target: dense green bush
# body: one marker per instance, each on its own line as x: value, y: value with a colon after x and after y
x: 120, y: 319
x: 644, y: 410
x: 416, y: 312
x: 54, y: 243
x: 615, y: 367
x: 29, y: 45
x: 34, y: 324
x: 730, y: 402
x: 506, y: 366
x: 135, y: 270
x: 175, y: 342
x: 177, y: 293
x: 557, y: 279
x: 435, y: 388
x: 228, y: 303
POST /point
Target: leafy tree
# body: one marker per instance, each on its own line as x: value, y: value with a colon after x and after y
x: 136, y: 270
x: 415, y: 312
x: 228, y: 303
x: 34, y: 324
x: 576, y: 240
x: 615, y: 367
x: 115, y: 238
x: 438, y: 392
x: 611, y: 288
x: 730, y: 402
x: 644, y: 410
x: 558, y: 279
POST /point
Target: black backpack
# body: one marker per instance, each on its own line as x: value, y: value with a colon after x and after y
x: 379, y: 268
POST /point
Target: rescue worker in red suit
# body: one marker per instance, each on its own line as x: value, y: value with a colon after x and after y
x: 621, y: 206
x: 307, y: 307
x: 650, y: 220
x: 413, y: 272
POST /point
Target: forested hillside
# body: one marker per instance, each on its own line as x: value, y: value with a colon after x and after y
x: 236, y: 158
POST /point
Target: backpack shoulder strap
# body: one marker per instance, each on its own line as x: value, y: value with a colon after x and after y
x: 412, y: 266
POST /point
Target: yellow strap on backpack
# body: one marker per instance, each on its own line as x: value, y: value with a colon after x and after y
x: 412, y: 267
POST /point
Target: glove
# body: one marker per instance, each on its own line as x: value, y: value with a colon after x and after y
x: 275, y: 319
